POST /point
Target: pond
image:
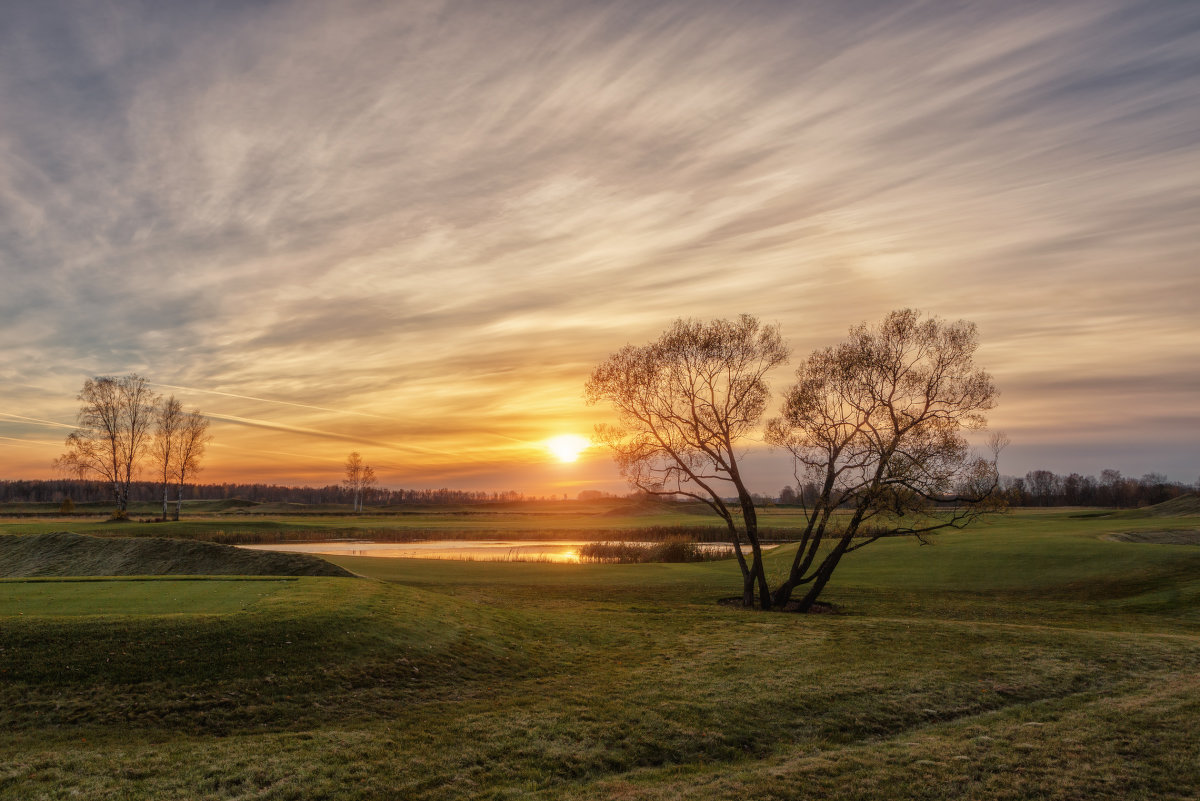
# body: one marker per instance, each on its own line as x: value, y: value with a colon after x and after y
x: 562, y: 551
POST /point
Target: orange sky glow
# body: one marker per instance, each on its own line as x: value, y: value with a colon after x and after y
x: 412, y: 230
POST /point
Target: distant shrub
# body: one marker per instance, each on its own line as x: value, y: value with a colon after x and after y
x: 68, y: 506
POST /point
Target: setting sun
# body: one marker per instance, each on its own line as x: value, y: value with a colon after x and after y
x: 567, y: 447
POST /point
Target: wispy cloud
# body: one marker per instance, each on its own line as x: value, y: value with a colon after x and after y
x: 434, y: 218
x: 266, y: 400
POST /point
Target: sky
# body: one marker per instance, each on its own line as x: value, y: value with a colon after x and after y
x: 411, y: 229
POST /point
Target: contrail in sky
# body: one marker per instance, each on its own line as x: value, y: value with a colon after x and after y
x: 249, y: 421
x: 29, y: 442
x: 270, y: 400
x: 37, y: 420
x: 227, y: 446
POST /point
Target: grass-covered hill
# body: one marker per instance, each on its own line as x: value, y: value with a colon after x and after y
x: 66, y: 554
x: 1183, y: 506
x: 1030, y: 658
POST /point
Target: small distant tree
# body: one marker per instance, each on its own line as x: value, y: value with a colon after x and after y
x: 190, y: 444
x: 359, y: 479
x: 114, y: 429
x: 787, y: 496
x: 353, y: 477
x: 1043, y: 487
x: 163, y: 450
x: 368, y: 482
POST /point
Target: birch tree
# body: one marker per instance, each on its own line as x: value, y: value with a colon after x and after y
x: 168, y: 425
x: 367, y: 482
x: 359, y: 479
x: 114, y: 429
x: 353, y: 477
x: 190, y: 444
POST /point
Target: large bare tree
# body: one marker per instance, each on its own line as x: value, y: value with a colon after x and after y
x: 877, y: 424
x: 686, y: 404
x: 114, y: 429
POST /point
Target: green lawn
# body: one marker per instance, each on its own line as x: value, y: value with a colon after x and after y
x: 1027, y: 659
x: 135, y: 596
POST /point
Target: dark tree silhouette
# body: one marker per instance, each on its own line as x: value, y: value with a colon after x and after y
x: 114, y: 430
x: 190, y: 443
x: 686, y: 404
x: 877, y: 423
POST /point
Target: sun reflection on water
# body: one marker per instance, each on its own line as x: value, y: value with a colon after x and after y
x: 559, y: 552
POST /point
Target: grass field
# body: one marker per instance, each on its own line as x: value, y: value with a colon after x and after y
x: 243, y: 522
x: 1029, y: 658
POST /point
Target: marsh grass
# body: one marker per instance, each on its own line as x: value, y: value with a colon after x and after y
x: 671, y: 551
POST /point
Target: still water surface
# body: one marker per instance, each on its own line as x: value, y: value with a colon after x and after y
x: 475, y: 550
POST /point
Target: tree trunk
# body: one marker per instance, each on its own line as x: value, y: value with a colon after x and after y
x: 166, y: 492
x: 747, y: 575
x: 750, y: 518
x: 825, y: 571
x: 783, y: 593
x: 179, y: 501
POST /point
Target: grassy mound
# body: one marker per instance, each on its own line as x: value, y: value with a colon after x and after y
x: 64, y: 553
x: 234, y: 655
x: 1183, y: 506
x: 1181, y: 536
x: 224, y: 505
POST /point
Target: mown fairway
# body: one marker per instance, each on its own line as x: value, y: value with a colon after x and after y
x: 1029, y: 658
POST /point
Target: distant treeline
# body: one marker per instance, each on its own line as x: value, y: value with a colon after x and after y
x: 1036, y: 488
x: 57, y: 490
x: 1044, y: 488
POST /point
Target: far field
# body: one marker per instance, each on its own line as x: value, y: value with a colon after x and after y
x: 1037, y: 656
x: 239, y: 521
x: 245, y: 522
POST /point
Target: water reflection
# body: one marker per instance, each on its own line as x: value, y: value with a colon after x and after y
x: 560, y: 551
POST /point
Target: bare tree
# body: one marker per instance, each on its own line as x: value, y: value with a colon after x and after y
x: 686, y: 404
x: 168, y: 422
x: 190, y: 444
x: 877, y: 423
x: 353, y: 477
x: 367, y: 482
x: 360, y: 478
x: 114, y: 429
